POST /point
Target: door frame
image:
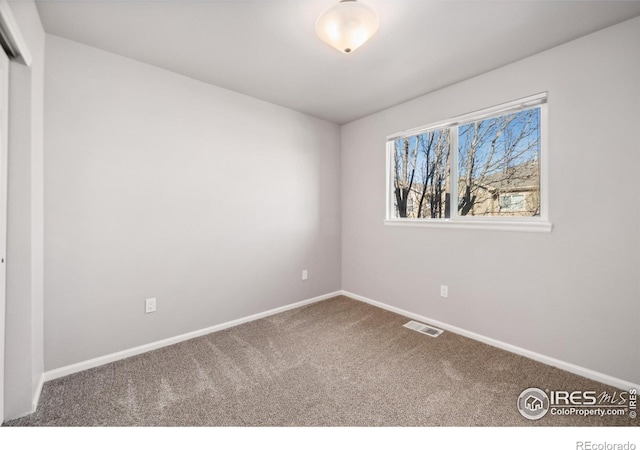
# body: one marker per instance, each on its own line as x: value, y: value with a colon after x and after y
x: 15, y: 49
x: 4, y: 141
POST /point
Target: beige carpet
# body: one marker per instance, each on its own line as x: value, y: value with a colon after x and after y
x: 339, y: 362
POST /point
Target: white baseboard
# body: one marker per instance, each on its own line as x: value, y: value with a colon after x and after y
x: 101, y: 360
x: 572, y: 368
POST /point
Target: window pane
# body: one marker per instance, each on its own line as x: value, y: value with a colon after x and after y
x: 499, y: 166
x: 512, y: 202
x: 421, y: 180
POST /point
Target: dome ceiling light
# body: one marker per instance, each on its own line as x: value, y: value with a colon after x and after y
x: 347, y: 25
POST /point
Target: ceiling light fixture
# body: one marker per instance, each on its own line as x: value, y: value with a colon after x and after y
x: 347, y: 25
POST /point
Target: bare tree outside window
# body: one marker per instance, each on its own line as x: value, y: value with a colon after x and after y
x: 422, y: 175
x: 499, y: 159
x: 498, y: 169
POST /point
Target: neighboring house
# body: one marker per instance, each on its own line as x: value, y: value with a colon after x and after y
x: 513, y: 192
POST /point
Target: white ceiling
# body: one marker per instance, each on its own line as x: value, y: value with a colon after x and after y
x: 268, y: 48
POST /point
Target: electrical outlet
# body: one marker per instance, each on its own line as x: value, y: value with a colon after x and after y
x: 305, y: 275
x: 150, y: 305
x: 444, y: 291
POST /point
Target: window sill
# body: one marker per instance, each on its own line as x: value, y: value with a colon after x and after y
x: 529, y: 227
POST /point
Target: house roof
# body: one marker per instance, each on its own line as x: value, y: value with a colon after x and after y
x: 522, y: 177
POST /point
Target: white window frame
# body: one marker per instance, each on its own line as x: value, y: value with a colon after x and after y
x: 539, y: 223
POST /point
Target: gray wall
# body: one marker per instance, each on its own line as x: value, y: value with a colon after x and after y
x: 573, y: 294
x: 161, y: 186
x: 24, y: 361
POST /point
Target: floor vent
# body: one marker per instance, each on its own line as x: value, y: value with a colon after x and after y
x: 424, y: 329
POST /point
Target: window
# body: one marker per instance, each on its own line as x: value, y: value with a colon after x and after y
x: 481, y: 170
x: 512, y: 202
